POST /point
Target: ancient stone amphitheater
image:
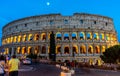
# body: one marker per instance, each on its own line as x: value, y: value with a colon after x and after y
x: 86, y: 36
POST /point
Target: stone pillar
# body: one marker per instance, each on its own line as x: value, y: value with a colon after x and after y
x: 47, y: 33
x: 94, y: 49
x: 39, y: 36
x: 78, y: 37
x: 27, y: 36
x: 70, y: 36
x: 39, y: 50
x: 71, y: 50
x: 100, y: 49
x: 12, y: 52
x: 78, y: 49
x: 62, y: 49
x: 85, y: 36
x: 105, y: 36
x: 22, y: 36
x: 62, y: 36
x: 47, y: 50
x: 27, y: 49
x: 33, y: 37
x: 86, y: 49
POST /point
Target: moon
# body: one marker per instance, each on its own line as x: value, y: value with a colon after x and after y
x: 48, y: 3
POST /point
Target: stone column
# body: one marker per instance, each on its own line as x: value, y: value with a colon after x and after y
x: 94, y: 50
x: 33, y: 37
x: 71, y: 50
x: 62, y: 49
x: 47, y: 33
x: 47, y: 50
x: 70, y: 36
x: 78, y: 37
x: 85, y: 36
x: 12, y: 52
x: 100, y: 49
x: 105, y: 36
x: 27, y: 36
x: 62, y: 36
x: 27, y: 49
x: 78, y: 49
x: 86, y: 49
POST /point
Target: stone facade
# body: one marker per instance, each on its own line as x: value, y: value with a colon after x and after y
x: 84, y: 35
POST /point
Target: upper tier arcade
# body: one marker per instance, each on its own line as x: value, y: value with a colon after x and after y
x: 78, y: 20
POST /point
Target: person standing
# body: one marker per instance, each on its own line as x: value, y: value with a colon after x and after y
x: 13, y: 65
x: 2, y: 65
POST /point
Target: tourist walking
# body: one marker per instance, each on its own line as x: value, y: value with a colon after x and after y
x: 2, y: 65
x: 13, y: 65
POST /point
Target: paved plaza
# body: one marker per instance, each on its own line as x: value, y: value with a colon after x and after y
x: 51, y: 70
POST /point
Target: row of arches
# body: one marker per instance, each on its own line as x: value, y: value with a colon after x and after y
x: 90, y: 49
x: 60, y: 36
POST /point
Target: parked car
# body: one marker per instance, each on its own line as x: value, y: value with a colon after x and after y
x: 27, y: 61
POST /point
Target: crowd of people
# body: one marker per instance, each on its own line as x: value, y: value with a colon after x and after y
x: 9, y: 65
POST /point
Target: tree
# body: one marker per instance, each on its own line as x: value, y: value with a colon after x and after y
x: 52, y: 54
x: 111, y: 55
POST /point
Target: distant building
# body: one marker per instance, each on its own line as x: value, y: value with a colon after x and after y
x: 84, y: 35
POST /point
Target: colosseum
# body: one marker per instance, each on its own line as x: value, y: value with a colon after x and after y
x: 85, y: 35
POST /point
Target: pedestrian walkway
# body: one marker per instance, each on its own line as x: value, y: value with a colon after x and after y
x: 105, y: 70
x: 25, y: 68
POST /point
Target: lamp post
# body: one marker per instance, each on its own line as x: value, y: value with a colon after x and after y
x: 52, y: 54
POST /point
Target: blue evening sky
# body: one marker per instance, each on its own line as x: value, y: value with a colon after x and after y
x: 15, y: 9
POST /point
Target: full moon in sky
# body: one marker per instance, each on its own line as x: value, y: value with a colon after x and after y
x: 48, y: 3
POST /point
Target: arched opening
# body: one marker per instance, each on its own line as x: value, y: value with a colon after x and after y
x: 91, y: 62
x: 89, y: 36
x: 7, y: 51
x: 30, y: 37
x: 18, y: 50
x: 75, y: 49
x: 107, y: 37
x: 24, y: 51
x: 95, y: 36
x: 43, y: 36
x: 19, y: 38
x: 66, y: 36
x: 101, y: 36
x: 15, y: 38
x: 36, y: 37
x: 30, y: 50
x: 74, y: 36
x: 98, y: 62
x: 43, y: 50
x: 97, y: 49
x: 24, y: 38
x: 82, y: 36
x: 58, y: 50
x: 58, y: 36
x: 83, y: 49
x: 66, y: 50
x: 36, y: 51
x: 90, y: 49
x: 11, y: 39
x: 103, y: 49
